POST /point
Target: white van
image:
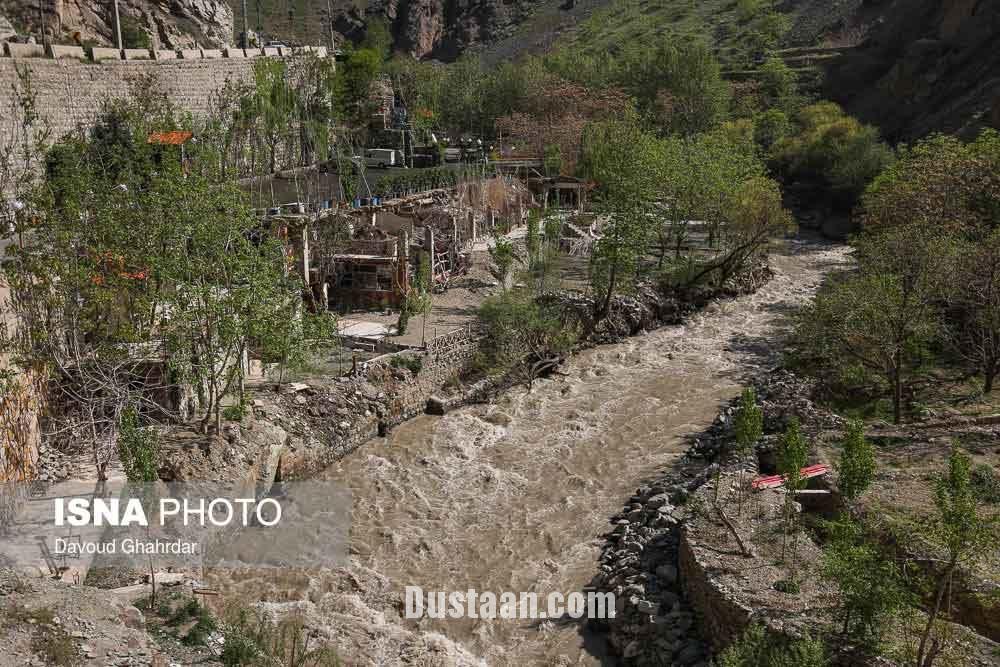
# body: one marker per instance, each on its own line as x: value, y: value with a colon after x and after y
x: 382, y: 158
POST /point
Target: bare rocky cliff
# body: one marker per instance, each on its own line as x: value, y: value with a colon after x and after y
x: 168, y: 23
x: 927, y: 65
x: 441, y: 29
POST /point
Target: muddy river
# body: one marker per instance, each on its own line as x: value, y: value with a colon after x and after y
x: 516, y: 496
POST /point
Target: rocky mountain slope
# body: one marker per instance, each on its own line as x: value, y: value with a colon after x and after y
x: 168, y: 23
x: 926, y: 65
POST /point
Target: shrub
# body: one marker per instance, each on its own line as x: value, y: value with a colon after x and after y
x: 834, y: 150
x: 787, y: 586
x: 134, y: 36
x: 410, y: 362
x: 252, y: 640
x: 234, y: 413
x: 759, y: 648
x: 986, y: 483
x: 857, y: 462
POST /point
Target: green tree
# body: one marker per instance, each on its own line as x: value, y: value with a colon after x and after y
x: 883, y: 317
x: 872, y: 592
x: 354, y: 84
x: 138, y: 448
x: 749, y: 428
x: 378, y: 37
x: 857, y: 466
x: 683, y: 81
x: 524, y: 337
x: 770, y: 128
x: 793, y: 455
x: 834, y: 151
x: 942, y: 182
x: 963, y: 532
x: 503, y: 259
x: 976, y: 330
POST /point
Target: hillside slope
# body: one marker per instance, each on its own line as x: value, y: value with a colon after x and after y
x: 927, y: 65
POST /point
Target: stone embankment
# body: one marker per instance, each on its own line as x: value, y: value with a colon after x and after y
x: 305, y: 427
x: 677, y: 605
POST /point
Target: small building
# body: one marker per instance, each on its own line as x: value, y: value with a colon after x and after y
x: 562, y: 191
x: 369, y: 274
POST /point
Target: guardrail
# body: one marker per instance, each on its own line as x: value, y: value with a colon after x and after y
x: 101, y: 54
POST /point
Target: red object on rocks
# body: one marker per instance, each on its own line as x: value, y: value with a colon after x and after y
x: 773, y: 481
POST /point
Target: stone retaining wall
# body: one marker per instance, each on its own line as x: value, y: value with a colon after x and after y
x: 71, y: 89
x: 721, y: 618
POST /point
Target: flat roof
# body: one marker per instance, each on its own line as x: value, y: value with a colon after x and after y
x: 365, y: 257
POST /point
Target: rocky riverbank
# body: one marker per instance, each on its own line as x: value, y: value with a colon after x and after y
x: 303, y: 427
x: 673, y: 607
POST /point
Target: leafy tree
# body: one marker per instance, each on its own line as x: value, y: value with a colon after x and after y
x: 941, y: 182
x: 378, y: 37
x: 524, y: 337
x: 777, y: 85
x: 138, y: 448
x: 792, y: 457
x: 770, y: 128
x: 132, y: 253
x: 354, y: 82
x: 882, y: 317
x: 749, y: 428
x: 690, y: 94
x: 503, y: 260
x: 963, y: 532
x: 615, y: 260
x: 833, y: 150
x: 857, y: 462
x: 976, y: 329
x: 871, y: 589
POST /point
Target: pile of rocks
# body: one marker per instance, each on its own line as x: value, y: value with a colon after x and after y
x: 53, y: 465
x: 653, y: 624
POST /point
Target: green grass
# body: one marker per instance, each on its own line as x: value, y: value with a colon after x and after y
x: 621, y: 23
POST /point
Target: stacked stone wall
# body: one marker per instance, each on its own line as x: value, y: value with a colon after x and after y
x: 70, y: 91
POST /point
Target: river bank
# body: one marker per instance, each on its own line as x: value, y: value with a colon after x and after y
x: 516, y: 495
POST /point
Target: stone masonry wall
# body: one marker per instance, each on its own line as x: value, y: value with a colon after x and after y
x: 70, y: 91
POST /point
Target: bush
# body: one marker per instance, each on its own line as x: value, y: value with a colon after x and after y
x: 410, y: 362
x: 234, y: 413
x: 831, y: 149
x: 252, y: 640
x: 134, y: 36
x: 787, y: 586
x: 986, y: 483
x: 759, y: 648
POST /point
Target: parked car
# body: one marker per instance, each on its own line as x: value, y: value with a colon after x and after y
x: 383, y: 158
x: 453, y: 155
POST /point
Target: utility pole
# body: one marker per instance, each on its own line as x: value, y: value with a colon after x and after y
x: 41, y: 24
x: 246, y: 26
x: 259, y: 27
x: 118, y: 28
x: 329, y: 16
